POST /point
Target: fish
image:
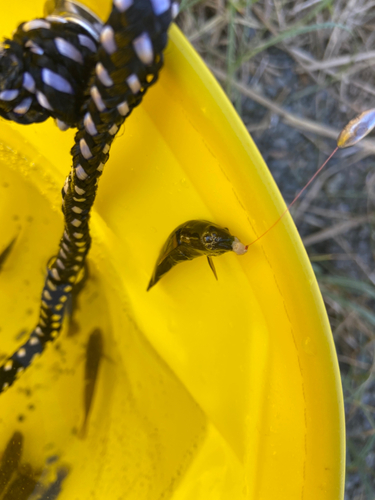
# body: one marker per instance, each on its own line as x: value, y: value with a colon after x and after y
x: 192, y: 239
x: 72, y: 305
x: 23, y: 485
x: 94, y: 354
x: 53, y: 491
x: 10, y: 460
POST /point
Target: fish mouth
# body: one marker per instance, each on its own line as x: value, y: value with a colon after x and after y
x: 238, y: 247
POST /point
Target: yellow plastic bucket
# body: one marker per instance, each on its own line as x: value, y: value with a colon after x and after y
x: 207, y: 389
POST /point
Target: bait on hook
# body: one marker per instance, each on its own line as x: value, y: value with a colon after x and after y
x: 356, y: 129
x: 197, y: 238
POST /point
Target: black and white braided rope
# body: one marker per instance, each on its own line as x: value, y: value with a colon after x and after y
x: 44, y: 71
x: 127, y: 60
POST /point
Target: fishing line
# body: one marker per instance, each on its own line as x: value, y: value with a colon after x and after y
x: 295, y: 199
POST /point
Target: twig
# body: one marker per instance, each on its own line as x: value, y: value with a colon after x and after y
x: 354, y: 362
x: 208, y: 27
x: 314, y: 65
x: 336, y: 229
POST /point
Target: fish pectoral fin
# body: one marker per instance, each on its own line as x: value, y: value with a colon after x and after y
x: 212, y: 266
x: 7, y: 250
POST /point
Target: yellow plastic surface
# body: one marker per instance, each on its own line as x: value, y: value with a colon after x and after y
x: 208, y: 389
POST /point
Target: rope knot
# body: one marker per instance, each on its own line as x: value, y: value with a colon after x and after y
x: 44, y: 70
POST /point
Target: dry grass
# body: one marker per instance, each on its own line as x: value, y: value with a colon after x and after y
x: 297, y: 72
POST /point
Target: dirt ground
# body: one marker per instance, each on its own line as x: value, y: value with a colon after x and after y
x: 297, y: 72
